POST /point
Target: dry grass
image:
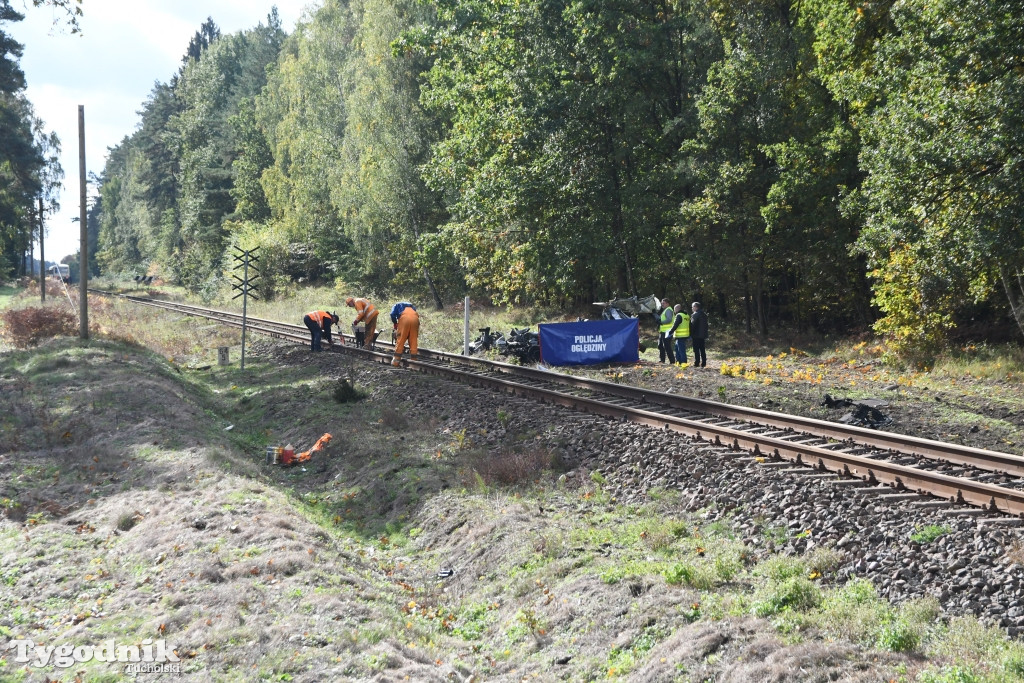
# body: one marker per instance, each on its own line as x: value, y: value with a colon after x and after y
x: 511, y: 465
x: 393, y: 419
x: 1015, y: 553
x: 28, y: 326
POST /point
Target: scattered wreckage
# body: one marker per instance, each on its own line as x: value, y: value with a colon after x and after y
x: 865, y: 411
x: 629, y: 307
x: 524, y: 344
x: 521, y: 344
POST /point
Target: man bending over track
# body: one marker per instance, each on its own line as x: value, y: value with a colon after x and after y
x: 365, y: 313
x: 407, y: 323
x: 317, y: 322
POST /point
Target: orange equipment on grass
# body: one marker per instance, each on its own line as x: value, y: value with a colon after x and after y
x: 319, y: 445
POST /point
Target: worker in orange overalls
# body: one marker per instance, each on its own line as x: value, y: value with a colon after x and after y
x: 407, y: 323
x: 365, y: 313
x: 320, y: 322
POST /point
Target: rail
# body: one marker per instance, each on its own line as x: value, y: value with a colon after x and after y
x: 904, y: 462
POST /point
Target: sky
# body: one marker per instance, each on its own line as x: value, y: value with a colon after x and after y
x: 125, y: 47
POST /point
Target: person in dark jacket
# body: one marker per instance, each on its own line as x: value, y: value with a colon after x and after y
x: 319, y: 322
x: 699, y: 335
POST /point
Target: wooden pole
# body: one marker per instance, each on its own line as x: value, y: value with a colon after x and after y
x: 83, y: 250
x: 465, y: 327
x: 42, y: 256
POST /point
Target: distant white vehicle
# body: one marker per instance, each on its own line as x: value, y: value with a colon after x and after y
x: 60, y: 270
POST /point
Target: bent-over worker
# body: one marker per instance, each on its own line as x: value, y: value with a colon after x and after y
x: 365, y: 313
x: 319, y: 323
x: 407, y: 324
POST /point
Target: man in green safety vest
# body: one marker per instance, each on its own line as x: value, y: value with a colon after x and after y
x: 681, y: 331
x: 664, y: 336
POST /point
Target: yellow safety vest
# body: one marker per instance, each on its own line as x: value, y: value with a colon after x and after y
x: 683, y: 328
x: 666, y: 320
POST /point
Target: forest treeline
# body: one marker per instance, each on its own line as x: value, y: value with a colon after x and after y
x: 822, y: 163
x: 30, y: 170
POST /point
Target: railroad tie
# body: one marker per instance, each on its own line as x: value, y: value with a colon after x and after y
x: 898, y: 497
x: 1001, y: 522
x: 933, y: 504
x: 850, y: 483
x: 965, y: 512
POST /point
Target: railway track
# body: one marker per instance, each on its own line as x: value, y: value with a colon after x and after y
x: 956, y: 474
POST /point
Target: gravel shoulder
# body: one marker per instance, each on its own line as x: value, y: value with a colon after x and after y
x: 984, y: 413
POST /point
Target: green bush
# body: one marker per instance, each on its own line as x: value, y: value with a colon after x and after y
x: 927, y: 534
x: 914, y: 329
x: 854, y: 611
x: 965, y: 639
x: 823, y: 560
x: 678, y: 574
x: 727, y: 566
x: 1014, y: 664
x: 780, y: 568
x: 472, y: 622
x: 898, y: 636
x: 949, y: 674
x: 795, y: 592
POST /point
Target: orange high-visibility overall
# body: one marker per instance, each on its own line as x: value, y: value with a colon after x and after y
x: 367, y: 313
x: 408, y: 330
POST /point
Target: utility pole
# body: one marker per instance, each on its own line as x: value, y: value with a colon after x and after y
x: 83, y: 249
x: 465, y: 326
x: 244, y: 286
x: 42, y: 256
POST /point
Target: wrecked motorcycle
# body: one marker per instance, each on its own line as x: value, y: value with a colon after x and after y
x: 522, y: 344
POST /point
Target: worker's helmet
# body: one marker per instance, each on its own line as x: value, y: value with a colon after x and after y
x: 334, y: 317
x: 350, y: 301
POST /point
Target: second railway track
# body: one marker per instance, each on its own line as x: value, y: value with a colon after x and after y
x: 955, y: 473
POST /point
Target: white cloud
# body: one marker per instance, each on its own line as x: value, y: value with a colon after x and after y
x: 126, y: 46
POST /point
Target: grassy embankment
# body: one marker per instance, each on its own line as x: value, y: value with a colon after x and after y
x: 7, y: 294
x: 138, y: 507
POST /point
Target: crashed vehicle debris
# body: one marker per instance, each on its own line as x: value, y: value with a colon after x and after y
x: 524, y: 344
x: 629, y: 307
x: 865, y: 411
x: 521, y: 344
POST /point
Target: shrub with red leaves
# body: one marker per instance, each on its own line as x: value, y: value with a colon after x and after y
x: 28, y: 326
